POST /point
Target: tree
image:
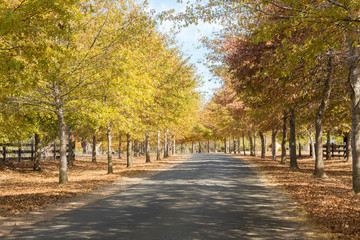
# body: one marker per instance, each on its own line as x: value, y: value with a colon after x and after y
x: 81, y: 50
x: 285, y: 20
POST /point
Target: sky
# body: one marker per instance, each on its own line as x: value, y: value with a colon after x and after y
x: 189, y: 41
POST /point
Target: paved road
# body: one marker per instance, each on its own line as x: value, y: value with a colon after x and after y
x: 210, y: 196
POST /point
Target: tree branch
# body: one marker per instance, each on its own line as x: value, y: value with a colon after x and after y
x: 19, y: 6
x: 335, y: 3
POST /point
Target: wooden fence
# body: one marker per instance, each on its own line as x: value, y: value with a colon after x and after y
x: 21, y: 152
x: 336, y: 150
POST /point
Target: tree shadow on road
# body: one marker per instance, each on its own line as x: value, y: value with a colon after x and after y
x: 208, y: 197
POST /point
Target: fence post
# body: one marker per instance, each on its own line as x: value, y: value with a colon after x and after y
x: 19, y: 152
x: 54, y: 150
x: 32, y: 149
x: 4, y: 153
x: 345, y: 149
x: 332, y: 150
x: 73, y: 150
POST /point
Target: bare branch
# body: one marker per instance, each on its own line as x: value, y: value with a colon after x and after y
x: 273, y: 14
x: 34, y: 104
x: 287, y: 8
x: 34, y: 101
x: 19, y: 5
x: 335, y: 3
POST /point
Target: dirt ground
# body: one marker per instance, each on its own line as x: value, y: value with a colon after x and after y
x: 329, y: 202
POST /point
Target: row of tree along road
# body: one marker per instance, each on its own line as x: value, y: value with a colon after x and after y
x: 289, y: 66
x: 90, y: 70
x: 93, y: 70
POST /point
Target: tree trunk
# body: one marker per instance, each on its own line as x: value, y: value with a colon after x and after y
x: 110, y: 163
x: 83, y: 145
x: 98, y: 148
x: 243, y: 137
x: 225, y: 145
x: 328, y: 144
x: 63, y: 177
x: 174, y: 146
x: 120, y: 146
x: 262, y: 138
x: 93, y: 157
x: 273, y: 144
x: 37, y: 154
x: 230, y: 149
x: 265, y: 141
x: 163, y: 150
x: 166, y: 145
x: 141, y: 148
x: 251, y: 145
x: 135, y: 148
x: 284, y: 140
x: 138, y: 149
x: 238, y: 145
x: 129, y: 154
x: 234, y: 144
x: 192, y: 147
x: 354, y: 82
x: 73, y: 150
x: 70, y: 149
x: 158, y: 146
x: 312, y: 147
x: 208, y: 146
x: 348, y: 147
x: 292, y: 140
x: 319, y: 158
x: 199, y: 147
x: 215, y: 147
x: 254, y: 144
x: 147, y: 147
x: 169, y: 147
x: 299, y: 147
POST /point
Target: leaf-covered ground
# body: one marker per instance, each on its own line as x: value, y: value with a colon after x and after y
x: 22, y: 189
x: 329, y: 202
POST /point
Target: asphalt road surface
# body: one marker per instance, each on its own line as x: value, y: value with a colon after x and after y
x: 210, y: 196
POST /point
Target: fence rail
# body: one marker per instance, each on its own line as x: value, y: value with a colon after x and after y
x: 26, y: 151
x: 335, y: 150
